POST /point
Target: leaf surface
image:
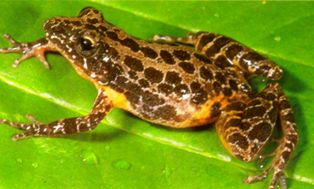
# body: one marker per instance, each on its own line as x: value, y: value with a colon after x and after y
x: 125, y: 152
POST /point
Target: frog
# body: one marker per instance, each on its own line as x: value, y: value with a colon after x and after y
x: 178, y: 82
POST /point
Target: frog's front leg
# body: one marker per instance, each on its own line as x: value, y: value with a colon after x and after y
x: 226, y: 52
x: 245, y: 128
x: 28, y: 50
x: 101, y: 107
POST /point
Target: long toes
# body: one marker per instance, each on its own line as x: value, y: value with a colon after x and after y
x: 10, y: 39
x: 255, y: 178
x: 21, y: 136
x: 16, y: 63
x: 4, y: 121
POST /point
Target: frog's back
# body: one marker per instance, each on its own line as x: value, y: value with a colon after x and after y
x: 164, y: 83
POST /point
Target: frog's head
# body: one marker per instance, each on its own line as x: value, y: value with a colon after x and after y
x: 78, y: 38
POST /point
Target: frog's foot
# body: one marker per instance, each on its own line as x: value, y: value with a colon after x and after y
x: 278, y: 178
x: 64, y: 126
x: 28, y: 50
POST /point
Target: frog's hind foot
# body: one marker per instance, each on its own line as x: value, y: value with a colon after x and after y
x: 27, y: 50
x: 277, y: 177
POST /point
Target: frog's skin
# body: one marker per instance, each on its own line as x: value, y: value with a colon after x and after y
x: 175, y: 82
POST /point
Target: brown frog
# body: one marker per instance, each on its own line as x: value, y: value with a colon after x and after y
x: 175, y: 82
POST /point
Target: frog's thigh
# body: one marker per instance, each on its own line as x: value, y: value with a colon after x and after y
x: 245, y: 128
x: 73, y: 125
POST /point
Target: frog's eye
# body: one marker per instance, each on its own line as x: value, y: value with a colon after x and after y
x: 86, y: 46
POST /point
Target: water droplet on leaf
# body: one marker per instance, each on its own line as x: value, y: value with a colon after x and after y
x: 35, y: 165
x: 122, y: 164
x: 277, y: 38
x: 167, y: 171
x: 89, y: 157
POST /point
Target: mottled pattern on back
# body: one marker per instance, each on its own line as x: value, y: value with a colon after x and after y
x: 154, y: 77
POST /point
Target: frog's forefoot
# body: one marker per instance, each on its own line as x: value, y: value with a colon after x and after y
x: 28, y: 50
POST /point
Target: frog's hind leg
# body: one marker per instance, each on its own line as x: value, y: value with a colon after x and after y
x: 226, y: 52
x: 245, y: 128
x: 65, y: 126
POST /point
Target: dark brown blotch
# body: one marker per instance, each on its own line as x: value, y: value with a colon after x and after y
x: 166, y: 112
x: 233, y: 50
x: 254, y: 111
x: 134, y: 88
x: 187, y: 67
x: 113, y: 71
x: 112, y: 52
x: 284, y: 104
x: 181, y: 55
x: 251, y: 57
x: 261, y: 132
x: 112, y: 35
x: 288, y: 117
x: 205, y: 39
x: 153, y: 75
x: 273, y: 114
x: 227, y: 91
x: 239, y: 140
x: 133, y: 75
x: 235, y: 106
x: 216, y: 47
x: 195, y: 86
x: 132, y: 98
x: 202, y: 58
x: 151, y: 99
x: 173, y: 77
x: 222, y: 62
x: 262, y: 69
x: 119, y: 84
x: 181, y: 89
x: 233, y: 122
x: 206, y: 73
x: 270, y: 96
x: 130, y: 43
x: 220, y: 77
x: 144, y: 83
x: 165, y: 88
x: 133, y: 63
x: 92, y: 20
x: 286, y: 155
x: 167, y: 57
x: 149, y: 52
x: 217, y: 87
x: 233, y: 84
x: 200, y: 97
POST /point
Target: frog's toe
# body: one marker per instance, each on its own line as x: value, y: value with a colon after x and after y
x: 256, y: 178
x: 9, y: 38
x: 278, y: 178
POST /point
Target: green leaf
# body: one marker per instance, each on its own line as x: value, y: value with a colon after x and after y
x: 125, y: 152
